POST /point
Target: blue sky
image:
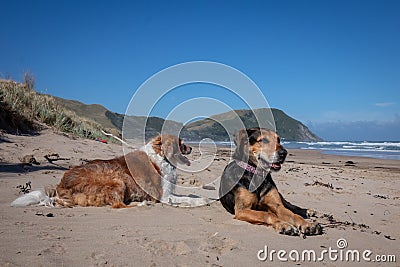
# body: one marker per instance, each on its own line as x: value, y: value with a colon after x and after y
x: 334, y: 65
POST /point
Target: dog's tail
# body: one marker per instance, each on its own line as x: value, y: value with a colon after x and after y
x: 46, y: 197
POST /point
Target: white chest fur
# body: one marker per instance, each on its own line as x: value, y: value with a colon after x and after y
x: 168, y: 182
x: 168, y: 172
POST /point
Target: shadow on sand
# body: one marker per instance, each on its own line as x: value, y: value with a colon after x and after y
x: 25, y: 168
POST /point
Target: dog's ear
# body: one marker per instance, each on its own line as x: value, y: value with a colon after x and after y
x: 243, y: 139
x: 169, y: 146
x: 157, y: 145
x: 253, y: 134
x: 237, y: 137
x: 172, y: 148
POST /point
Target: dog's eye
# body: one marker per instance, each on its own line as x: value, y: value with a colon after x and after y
x: 263, y: 140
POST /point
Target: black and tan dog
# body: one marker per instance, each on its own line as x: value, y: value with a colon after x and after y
x: 248, y: 191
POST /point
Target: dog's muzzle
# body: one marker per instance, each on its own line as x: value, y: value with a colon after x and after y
x: 281, y: 156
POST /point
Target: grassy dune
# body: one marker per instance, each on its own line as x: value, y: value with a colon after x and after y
x: 23, y: 110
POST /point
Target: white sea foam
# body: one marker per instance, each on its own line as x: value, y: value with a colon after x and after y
x: 389, y: 150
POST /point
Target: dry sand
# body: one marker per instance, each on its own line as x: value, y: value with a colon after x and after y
x: 361, y: 199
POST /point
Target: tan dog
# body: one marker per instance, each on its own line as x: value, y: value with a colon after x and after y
x: 248, y: 191
x: 146, y: 174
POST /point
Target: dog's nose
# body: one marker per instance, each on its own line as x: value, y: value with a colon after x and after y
x: 282, y: 153
x: 186, y: 150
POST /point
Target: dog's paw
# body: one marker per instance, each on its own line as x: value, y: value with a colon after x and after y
x: 311, y: 229
x: 286, y: 229
x: 311, y: 213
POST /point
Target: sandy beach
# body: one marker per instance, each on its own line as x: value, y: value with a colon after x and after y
x: 356, y: 199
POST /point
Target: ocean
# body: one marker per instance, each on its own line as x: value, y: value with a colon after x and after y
x: 379, y: 150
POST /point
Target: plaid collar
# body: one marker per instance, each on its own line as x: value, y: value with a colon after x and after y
x: 249, y: 168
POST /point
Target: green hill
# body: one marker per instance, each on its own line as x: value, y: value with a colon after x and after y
x: 22, y: 106
x: 94, y: 112
x: 287, y: 127
x: 112, y: 122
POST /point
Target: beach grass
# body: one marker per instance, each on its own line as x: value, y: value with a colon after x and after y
x: 25, y: 109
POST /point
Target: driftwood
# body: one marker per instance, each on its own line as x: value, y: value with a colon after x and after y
x: 29, y: 160
x: 115, y: 137
x: 327, y: 185
x: 25, y: 188
x: 54, y: 157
